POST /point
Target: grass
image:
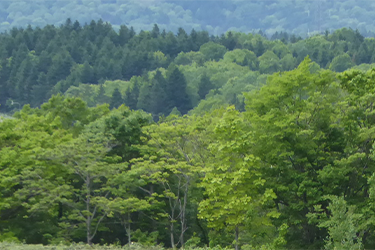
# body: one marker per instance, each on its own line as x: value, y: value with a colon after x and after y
x: 17, y: 246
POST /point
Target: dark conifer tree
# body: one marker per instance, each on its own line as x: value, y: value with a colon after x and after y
x: 155, y: 33
x: 259, y: 48
x: 116, y: 99
x: 145, y: 95
x: 158, y: 95
x: 101, y: 97
x: 41, y: 91
x: 205, y: 85
x: 131, y: 96
x: 176, y: 90
x: 87, y: 73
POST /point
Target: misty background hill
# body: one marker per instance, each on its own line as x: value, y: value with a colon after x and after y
x: 301, y: 17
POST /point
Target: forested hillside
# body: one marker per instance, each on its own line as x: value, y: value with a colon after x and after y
x: 293, y: 170
x: 100, y: 65
x: 188, y: 139
x: 301, y: 17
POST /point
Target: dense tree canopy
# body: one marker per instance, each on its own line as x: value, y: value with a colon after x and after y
x: 301, y: 17
x: 187, y: 140
x: 155, y: 70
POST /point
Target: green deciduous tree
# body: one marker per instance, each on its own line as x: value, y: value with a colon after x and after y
x: 233, y: 183
x: 213, y: 51
x: 341, y: 63
x: 295, y: 109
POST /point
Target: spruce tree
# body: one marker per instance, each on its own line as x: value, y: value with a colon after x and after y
x: 101, y: 97
x: 176, y: 90
x: 205, y: 85
x: 86, y: 73
x: 144, y: 99
x: 116, y: 99
x: 131, y: 96
x: 158, y: 95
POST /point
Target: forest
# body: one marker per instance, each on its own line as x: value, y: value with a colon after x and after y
x: 155, y: 139
x: 300, y: 17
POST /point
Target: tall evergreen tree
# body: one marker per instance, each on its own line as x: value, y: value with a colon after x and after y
x: 176, y: 90
x: 158, y: 97
x: 87, y: 73
x: 205, y: 85
x: 131, y: 96
x: 155, y: 33
x: 116, y: 99
x: 101, y: 97
x: 144, y: 99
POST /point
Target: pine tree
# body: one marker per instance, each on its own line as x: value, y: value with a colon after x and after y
x: 144, y: 99
x: 131, y: 96
x: 205, y: 85
x: 176, y: 90
x: 116, y: 99
x: 155, y: 33
x: 158, y: 95
x: 87, y: 73
x: 101, y: 97
x: 41, y: 91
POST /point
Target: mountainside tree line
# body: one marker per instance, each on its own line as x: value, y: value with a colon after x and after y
x: 274, y: 149
x: 158, y: 71
x: 294, y: 170
x: 302, y: 17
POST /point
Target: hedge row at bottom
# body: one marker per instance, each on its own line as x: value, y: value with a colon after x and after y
x: 16, y: 246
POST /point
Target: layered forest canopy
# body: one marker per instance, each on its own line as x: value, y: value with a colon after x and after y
x: 100, y: 65
x: 294, y: 169
x: 186, y: 140
x: 301, y: 17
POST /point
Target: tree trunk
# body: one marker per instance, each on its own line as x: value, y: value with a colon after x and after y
x: 88, y: 226
x: 172, y: 236
x: 183, y: 215
x: 236, y: 238
x: 128, y: 231
x: 88, y: 218
x: 153, y: 223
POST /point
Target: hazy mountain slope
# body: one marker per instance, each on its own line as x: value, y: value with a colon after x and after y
x: 298, y: 16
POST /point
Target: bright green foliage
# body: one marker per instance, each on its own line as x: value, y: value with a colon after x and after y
x: 171, y: 160
x: 343, y: 225
x: 86, y: 166
x: 269, y: 63
x: 123, y: 130
x: 212, y: 51
x: 295, y: 110
x: 189, y: 58
x: 256, y: 174
x: 73, y: 112
x: 233, y: 183
x: 242, y: 57
x: 23, y: 143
